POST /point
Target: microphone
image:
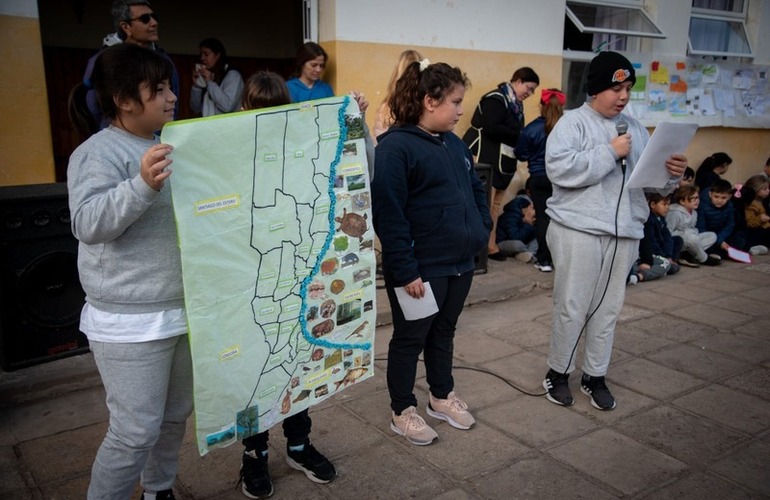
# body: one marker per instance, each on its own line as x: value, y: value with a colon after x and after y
x: 622, y: 128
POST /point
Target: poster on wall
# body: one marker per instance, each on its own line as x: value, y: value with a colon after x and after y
x: 273, y: 215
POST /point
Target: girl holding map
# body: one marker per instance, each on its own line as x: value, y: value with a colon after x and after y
x: 431, y: 215
x: 129, y: 266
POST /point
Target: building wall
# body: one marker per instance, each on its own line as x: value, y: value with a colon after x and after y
x: 26, y: 155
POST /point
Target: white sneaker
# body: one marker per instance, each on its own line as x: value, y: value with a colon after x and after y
x: 413, y: 427
x: 544, y: 268
x: 758, y: 250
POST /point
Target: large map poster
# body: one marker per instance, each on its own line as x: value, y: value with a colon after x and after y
x: 274, y: 221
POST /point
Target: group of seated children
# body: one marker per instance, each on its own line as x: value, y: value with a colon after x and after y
x: 692, y: 227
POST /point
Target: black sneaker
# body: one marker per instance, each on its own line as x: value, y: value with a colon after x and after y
x: 712, y: 260
x: 255, y: 476
x: 316, y: 467
x: 163, y: 495
x: 596, y: 389
x: 557, y: 385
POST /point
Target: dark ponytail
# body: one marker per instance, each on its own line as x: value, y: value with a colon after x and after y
x: 435, y: 81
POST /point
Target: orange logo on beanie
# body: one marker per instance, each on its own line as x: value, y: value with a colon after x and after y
x: 620, y: 75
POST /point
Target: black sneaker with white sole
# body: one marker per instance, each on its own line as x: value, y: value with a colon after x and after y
x: 255, y: 475
x: 316, y: 467
x: 557, y: 385
x: 596, y: 389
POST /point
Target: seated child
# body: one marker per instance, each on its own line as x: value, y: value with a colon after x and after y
x: 658, y: 249
x: 516, y: 233
x: 717, y: 214
x: 682, y: 221
x: 757, y: 220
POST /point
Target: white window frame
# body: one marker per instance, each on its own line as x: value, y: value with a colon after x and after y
x: 724, y: 16
x: 613, y: 31
x: 309, y: 21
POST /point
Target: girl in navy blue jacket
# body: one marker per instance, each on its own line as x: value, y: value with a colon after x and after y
x: 431, y: 215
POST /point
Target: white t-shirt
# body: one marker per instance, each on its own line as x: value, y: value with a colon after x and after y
x: 101, y: 326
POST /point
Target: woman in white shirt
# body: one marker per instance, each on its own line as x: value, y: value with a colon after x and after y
x: 217, y: 87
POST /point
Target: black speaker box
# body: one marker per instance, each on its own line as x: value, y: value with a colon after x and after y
x: 40, y: 293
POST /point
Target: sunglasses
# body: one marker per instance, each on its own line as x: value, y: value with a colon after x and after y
x: 145, y: 18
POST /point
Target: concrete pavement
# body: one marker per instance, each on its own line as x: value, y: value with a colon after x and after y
x: 690, y: 371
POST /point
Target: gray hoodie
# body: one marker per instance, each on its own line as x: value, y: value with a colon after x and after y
x: 587, y: 178
x: 128, y: 257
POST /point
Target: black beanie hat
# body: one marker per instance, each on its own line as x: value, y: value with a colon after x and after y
x: 608, y: 69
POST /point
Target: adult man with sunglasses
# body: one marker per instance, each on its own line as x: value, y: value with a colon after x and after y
x: 135, y: 22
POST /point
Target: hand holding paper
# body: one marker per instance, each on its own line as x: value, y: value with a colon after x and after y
x: 663, y: 155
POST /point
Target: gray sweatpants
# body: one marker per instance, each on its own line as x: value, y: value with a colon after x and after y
x: 149, y: 396
x: 582, y: 264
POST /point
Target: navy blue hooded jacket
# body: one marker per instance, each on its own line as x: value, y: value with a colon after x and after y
x: 718, y: 220
x: 429, y: 207
x: 657, y: 240
x: 511, y: 225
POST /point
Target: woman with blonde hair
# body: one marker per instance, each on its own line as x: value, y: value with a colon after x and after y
x: 384, y: 118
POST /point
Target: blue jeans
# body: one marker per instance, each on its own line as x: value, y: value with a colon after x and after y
x: 149, y: 396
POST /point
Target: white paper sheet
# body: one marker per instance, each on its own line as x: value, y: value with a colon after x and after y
x: 417, y: 308
x: 669, y: 138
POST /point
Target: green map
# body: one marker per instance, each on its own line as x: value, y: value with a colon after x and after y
x: 273, y: 215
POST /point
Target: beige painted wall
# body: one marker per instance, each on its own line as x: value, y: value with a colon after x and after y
x: 26, y: 151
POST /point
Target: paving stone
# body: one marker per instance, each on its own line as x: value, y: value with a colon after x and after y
x: 651, y: 299
x: 673, y: 328
x: 628, y: 402
x: 400, y: 471
x: 536, y: 477
x: 478, y: 388
x: 725, y: 287
x: 73, y: 452
x: 693, y: 440
x: 49, y: 416
x: 525, y: 370
x: 525, y: 334
x: 738, y: 346
x: 11, y: 473
x: 76, y: 487
x: 748, y: 467
x: 756, y: 382
x: 618, y: 460
x: 536, y: 421
x: 740, y: 304
x: 699, y: 486
x: 729, y: 407
x: 699, y: 361
x: 632, y: 313
x: 375, y: 409
x: 478, y: 347
x: 759, y: 328
x: 632, y: 339
x: 682, y: 288
x: 455, y: 494
x: 653, y: 379
x: 491, y: 448
x: 709, y: 314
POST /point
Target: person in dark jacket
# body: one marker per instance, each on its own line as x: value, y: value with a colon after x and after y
x: 712, y: 169
x: 717, y: 214
x: 494, y: 132
x: 516, y: 234
x: 430, y: 213
x: 658, y: 249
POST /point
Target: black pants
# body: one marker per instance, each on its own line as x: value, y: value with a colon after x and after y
x: 296, y: 429
x: 434, y: 336
x: 540, y: 189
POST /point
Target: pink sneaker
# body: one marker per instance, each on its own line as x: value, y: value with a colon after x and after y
x: 451, y: 409
x: 413, y: 427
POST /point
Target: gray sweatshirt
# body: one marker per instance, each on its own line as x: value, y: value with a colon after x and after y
x: 128, y: 257
x: 587, y: 178
x: 680, y: 221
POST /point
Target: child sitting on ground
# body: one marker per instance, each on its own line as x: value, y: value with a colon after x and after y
x: 716, y: 214
x: 516, y: 234
x: 658, y: 249
x: 757, y: 220
x: 682, y: 221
